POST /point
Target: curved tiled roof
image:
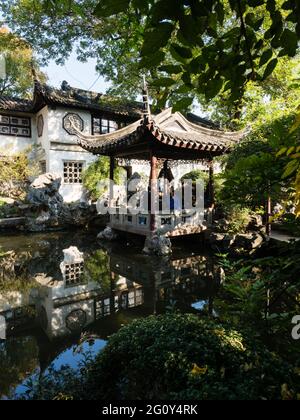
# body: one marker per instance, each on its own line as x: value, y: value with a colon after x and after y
x: 82, y: 99
x: 168, y: 129
x: 15, y: 104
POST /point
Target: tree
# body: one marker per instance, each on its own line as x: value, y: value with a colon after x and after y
x: 98, y: 172
x: 54, y: 29
x: 188, y: 47
x: 254, y: 169
x: 19, y: 62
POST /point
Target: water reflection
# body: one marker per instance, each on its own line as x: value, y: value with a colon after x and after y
x: 54, y: 288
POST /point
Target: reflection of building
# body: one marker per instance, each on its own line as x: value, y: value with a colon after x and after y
x: 68, y: 306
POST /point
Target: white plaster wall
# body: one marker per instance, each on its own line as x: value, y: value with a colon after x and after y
x: 56, y: 132
x: 10, y: 145
x: 70, y: 192
x: 43, y: 140
x: 56, y: 158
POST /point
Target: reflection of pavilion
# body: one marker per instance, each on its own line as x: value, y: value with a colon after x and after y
x: 56, y: 310
x: 184, y: 280
x: 160, y: 140
x: 67, y: 306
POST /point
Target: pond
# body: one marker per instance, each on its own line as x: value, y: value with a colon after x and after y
x: 63, y: 294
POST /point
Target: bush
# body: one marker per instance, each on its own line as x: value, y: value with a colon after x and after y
x: 196, y: 175
x: 97, y: 172
x: 238, y: 218
x: 179, y: 357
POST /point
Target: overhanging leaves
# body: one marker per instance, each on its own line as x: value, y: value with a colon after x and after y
x: 106, y: 8
x: 156, y: 38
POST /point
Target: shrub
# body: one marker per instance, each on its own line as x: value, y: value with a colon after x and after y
x: 238, y: 218
x: 97, y: 172
x: 178, y: 357
x: 196, y: 175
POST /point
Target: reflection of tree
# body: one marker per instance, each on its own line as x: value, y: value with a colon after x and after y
x: 14, y: 275
x: 97, y: 269
x: 18, y: 357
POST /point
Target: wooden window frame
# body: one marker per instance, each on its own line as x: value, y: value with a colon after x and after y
x: 101, y: 118
x: 11, y: 125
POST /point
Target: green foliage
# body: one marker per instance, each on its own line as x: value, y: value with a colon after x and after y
x: 254, y: 170
x: 19, y: 61
x: 178, y: 357
x: 196, y: 175
x: 263, y: 294
x: 219, y: 45
x: 287, y: 223
x: 15, y: 171
x: 238, y: 218
x: 98, y: 172
x: 197, y: 47
x: 97, y: 268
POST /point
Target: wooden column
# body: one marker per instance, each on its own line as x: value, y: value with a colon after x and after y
x: 268, y: 215
x: 128, y: 170
x: 153, y: 190
x: 211, y: 185
x: 112, y: 293
x: 111, y: 177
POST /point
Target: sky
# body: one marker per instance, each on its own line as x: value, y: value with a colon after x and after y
x: 77, y: 74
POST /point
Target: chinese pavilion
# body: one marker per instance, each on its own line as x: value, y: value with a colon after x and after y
x: 161, y: 139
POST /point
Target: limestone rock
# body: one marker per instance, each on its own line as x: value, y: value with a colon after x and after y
x: 72, y: 255
x: 158, y: 245
x: 108, y: 234
x: 248, y: 242
x: 256, y: 223
x: 44, y: 192
x: 221, y: 241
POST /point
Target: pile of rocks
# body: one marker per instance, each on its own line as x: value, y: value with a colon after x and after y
x: 238, y: 245
x: 44, y: 208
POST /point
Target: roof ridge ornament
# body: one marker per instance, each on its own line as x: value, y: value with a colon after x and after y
x: 146, y: 103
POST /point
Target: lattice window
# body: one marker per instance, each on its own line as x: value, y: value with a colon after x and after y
x: 73, y: 172
x: 15, y: 126
x: 73, y: 274
x: 104, y: 126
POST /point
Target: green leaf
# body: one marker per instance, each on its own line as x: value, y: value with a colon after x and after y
x: 171, y: 69
x: 180, y: 53
x: 152, y: 60
x: 289, y: 42
x: 290, y: 169
x: 106, y: 8
x: 189, y: 29
x: 290, y: 150
x: 156, y: 38
x: 183, y: 104
x: 296, y: 124
x: 163, y: 82
x: 255, y: 3
x: 267, y: 55
x: 270, y: 68
x: 213, y: 87
x: 220, y: 11
x: 282, y: 151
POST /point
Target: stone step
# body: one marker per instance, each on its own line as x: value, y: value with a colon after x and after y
x: 12, y: 222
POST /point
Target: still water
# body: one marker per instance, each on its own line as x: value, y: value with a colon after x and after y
x: 58, y: 288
